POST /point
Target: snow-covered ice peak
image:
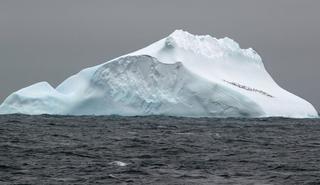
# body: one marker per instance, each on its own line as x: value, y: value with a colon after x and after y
x: 209, y: 46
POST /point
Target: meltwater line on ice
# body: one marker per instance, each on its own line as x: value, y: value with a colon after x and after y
x: 180, y: 75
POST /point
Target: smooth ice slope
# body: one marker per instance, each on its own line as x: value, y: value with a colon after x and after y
x: 181, y: 75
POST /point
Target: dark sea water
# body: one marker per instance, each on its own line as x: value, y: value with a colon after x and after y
x: 158, y: 150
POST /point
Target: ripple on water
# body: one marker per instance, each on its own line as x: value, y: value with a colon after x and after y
x: 158, y: 150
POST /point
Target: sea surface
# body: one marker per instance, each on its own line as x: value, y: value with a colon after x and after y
x: 158, y: 150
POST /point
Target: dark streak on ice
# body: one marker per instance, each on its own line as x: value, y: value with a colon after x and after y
x: 158, y: 150
x: 249, y: 88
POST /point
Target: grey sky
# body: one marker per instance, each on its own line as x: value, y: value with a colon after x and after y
x: 50, y: 40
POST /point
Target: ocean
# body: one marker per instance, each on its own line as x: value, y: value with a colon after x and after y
x: 158, y: 150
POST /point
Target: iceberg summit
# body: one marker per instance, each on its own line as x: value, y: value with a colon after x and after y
x: 180, y: 75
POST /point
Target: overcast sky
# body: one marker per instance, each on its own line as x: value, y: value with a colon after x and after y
x: 42, y: 40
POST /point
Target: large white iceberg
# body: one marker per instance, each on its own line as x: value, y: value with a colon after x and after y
x: 180, y: 75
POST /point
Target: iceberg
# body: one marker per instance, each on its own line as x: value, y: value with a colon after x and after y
x: 180, y: 75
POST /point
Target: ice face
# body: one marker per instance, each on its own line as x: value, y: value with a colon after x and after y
x: 181, y: 75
